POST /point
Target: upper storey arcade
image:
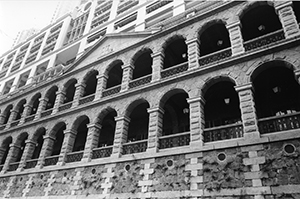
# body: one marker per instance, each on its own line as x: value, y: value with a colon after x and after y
x: 174, y: 80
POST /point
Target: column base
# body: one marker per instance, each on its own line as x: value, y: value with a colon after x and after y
x: 196, y: 145
x: 153, y: 150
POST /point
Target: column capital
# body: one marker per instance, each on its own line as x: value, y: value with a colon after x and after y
x: 102, y: 76
x: 28, y: 106
x: 127, y: 66
x: 60, y: 92
x: 95, y: 125
x: 14, y: 145
x: 30, y: 141
x: 45, y: 99
x: 48, y: 137
x: 196, y: 99
x: 192, y: 40
x: 69, y: 131
x: 155, y: 109
x: 281, y: 4
x: 80, y: 85
x: 247, y: 86
x: 233, y: 24
x: 156, y: 54
x: 119, y: 118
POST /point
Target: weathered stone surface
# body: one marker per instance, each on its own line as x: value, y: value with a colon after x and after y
x: 63, y: 182
x: 18, y: 185
x: 38, y: 183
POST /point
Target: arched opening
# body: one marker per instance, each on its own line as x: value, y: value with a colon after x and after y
x: 91, y: 84
x: 70, y: 91
x: 39, y: 139
x: 107, y: 132
x: 260, y: 19
x: 222, y: 107
x: 6, y: 114
x: 51, y: 95
x: 175, y: 52
x: 5, y: 149
x: 296, y: 8
x: 176, y: 113
x: 35, y: 104
x: 59, y: 138
x: 20, y: 109
x: 115, y: 74
x: 142, y: 64
x: 214, y: 38
x: 277, y: 97
x: 81, y: 133
x: 139, y: 122
x: 21, y: 142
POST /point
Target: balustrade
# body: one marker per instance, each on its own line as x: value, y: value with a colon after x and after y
x: 87, y: 99
x: 31, y: 163
x: 65, y: 106
x: 111, y: 91
x: 174, y: 70
x: 140, y: 81
x: 279, y: 123
x: 176, y: 140
x: 15, y: 123
x: 135, y: 147
x: 29, y: 118
x: 74, y: 156
x: 264, y: 40
x: 214, y: 57
x: 223, y: 132
x: 102, y: 152
x: 52, y: 160
x: 46, y: 112
x: 13, y: 166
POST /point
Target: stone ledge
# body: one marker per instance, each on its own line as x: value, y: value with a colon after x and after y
x: 285, y: 189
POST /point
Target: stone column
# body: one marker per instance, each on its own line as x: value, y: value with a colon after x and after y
x: 12, y: 117
x: 78, y: 94
x: 91, y: 141
x: 26, y: 112
x: 101, y: 83
x: 197, y: 121
x: 127, y: 76
x: 248, y: 112
x: 287, y: 18
x: 11, y: 157
x: 2, y: 118
x: 60, y: 96
x: 27, y: 153
x: 46, y: 150
x: 67, y: 146
x: 193, y: 53
x: 155, y: 128
x: 122, y: 124
x: 157, y: 65
x: 236, y: 38
x: 41, y: 107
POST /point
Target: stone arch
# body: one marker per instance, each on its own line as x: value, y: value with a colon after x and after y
x: 79, y: 127
x: 57, y: 132
x: 51, y: 96
x: 38, y: 138
x: 69, y: 89
x: 19, y: 108
x: 102, y: 114
x: 5, y: 148
x: 114, y: 74
x: 133, y: 104
x: 142, y: 63
x: 20, y: 142
x: 6, y: 113
x: 252, y: 4
x: 111, y: 65
x: 168, y: 94
x: 212, y: 80
x: 207, y: 24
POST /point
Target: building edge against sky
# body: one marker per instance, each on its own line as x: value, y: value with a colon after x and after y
x: 155, y: 99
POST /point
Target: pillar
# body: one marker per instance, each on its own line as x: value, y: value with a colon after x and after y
x: 67, y: 146
x: 248, y: 112
x: 155, y: 128
x: 193, y: 53
x: 141, y: 16
x: 236, y: 38
x: 41, y: 107
x: 197, y: 122
x: 101, y: 83
x: 122, y: 124
x: 46, y: 149
x: 79, y: 91
x: 11, y: 157
x: 157, y: 65
x: 27, y: 153
x: 287, y: 18
x: 60, y: 97
x: 13, y: 115
x: 26, y: 112
x: 127, y: 76
x: 91, y: 141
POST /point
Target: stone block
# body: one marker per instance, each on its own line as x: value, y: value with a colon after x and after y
x: 253, y: 161
x: 194, y: 166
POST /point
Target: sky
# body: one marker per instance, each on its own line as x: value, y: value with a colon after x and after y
x: 17, y: 15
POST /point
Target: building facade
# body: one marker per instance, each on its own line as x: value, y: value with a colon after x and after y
x: 155, y: 99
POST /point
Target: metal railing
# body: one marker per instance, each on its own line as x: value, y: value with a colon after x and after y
x: 74, y: 156
x: 223, y: 132
x: 87, y: 99
x: 14, y: 123
x: 140, y: 81
x: 65, y: 106
x: 46, y: 112
x: 215, y: 56
x: 29, y: 118
x: 111, y: 91
x: 102, y: 152
x: 31, y: 163
x: 51, y: 160
x: 135, y: 147
x: 176, y: 140
x: 13, y: 166
x: 174, y: 70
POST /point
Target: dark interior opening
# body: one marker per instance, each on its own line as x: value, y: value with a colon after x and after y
x: 175, y: 53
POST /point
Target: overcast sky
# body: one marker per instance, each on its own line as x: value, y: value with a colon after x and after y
x: 17, y: 15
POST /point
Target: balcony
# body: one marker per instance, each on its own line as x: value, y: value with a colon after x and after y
x: 156, y: 6
x: 46, y: 112
x: 111, y: 91
x: 31, y: 163
x: 174, y: 70
x: 102, y: 152
x: 125, y: 21
x: 279, y: 123
x: 13, y: 166
x: 48, y: 74
x: 87, y: 99
x: 31, y: 57
x: 126, y: 6
x: 140, y: 81
x: 15, y: 123
x: 176, y: 140
x: 216, y: 56
x: 29, y: 118
x: 264, y: 40
x: 16, y: 66
x: 135, y: 147
x: 225, y: 132
x: 74, y: 156
x: 65, y: 106
x: 52, y: 160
